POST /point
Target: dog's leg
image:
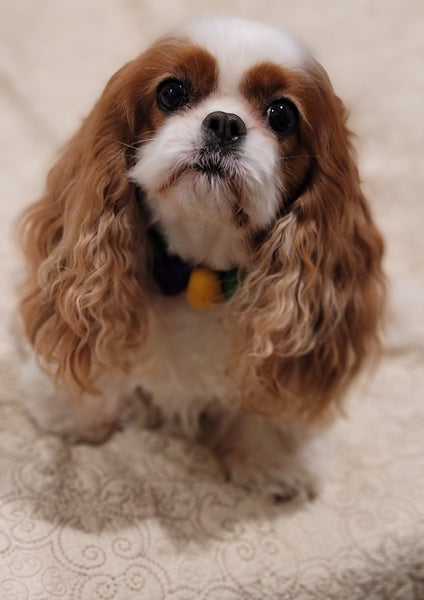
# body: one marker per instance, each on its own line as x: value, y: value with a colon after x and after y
x: 89, y: 418
x: 281, y: 463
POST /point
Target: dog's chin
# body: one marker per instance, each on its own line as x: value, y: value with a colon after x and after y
x: 203, y: 214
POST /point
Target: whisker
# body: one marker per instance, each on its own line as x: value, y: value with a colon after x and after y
x: 124, y: 144
x: 293, y: 156
x: 147, y: 138
x: 134, y: 146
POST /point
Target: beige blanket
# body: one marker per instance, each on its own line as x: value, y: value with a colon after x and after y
x: 150, y: 517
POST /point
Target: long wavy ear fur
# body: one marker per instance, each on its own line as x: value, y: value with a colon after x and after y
x: 308, y: 312
x: 83, y: 303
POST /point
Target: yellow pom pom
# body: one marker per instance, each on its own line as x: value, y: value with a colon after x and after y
x: 204, y: 289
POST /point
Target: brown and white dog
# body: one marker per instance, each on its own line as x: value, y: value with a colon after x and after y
x: 221, y: 149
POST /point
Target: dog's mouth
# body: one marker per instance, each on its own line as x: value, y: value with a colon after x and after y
x: 223, y: 163
x: 214, y: 174
x: 220, y: 165
x: 215, y: 167
x: 212, y: 170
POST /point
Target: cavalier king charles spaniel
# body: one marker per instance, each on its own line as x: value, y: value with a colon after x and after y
x: 203, y: 257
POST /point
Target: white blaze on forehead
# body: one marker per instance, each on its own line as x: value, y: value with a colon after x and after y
x: 238, y: 45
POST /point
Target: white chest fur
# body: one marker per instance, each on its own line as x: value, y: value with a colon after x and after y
x: 182, y: 364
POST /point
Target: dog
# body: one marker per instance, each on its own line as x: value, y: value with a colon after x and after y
x: 203, y: 253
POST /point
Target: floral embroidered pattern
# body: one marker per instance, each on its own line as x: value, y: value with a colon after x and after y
x: 149, y: 516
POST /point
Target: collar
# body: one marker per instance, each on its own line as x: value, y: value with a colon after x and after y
x: 203, y: 287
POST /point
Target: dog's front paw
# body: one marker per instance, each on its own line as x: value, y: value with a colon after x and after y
x: 281, y: 480
x: 74, y: 426
x: 86, y: 419
x: 266, y: 460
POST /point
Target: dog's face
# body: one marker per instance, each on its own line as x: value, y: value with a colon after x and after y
x: 227, y: 147
x: 228, y: 138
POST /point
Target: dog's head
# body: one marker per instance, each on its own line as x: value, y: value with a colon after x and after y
x: 226, y: 146
x: 228, y: 139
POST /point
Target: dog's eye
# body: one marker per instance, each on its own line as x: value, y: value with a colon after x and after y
x: 282, y: 116
x: 172, y: 94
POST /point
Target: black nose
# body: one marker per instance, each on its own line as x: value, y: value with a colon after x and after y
x: 224, y: 128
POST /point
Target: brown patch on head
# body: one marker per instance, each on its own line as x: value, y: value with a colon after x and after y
x: 173, y: 58
x: 267, y: 82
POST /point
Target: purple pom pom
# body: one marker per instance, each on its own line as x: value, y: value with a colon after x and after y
x: 171, y: 274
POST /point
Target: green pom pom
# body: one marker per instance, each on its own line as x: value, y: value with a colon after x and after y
x: 229, y: 282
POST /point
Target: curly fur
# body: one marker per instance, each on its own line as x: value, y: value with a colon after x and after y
x: 309, y: 311
x: 83, y: 304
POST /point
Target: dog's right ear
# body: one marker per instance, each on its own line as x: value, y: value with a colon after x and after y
x: 84, y: 300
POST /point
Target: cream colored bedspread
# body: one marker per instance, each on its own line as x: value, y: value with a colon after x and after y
x: 149, y: 517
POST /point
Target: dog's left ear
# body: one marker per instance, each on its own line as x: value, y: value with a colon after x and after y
x: 308, y: 313
x: 84, y: 303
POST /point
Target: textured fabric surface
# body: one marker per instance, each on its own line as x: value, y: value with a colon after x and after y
x: 148, y: 516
